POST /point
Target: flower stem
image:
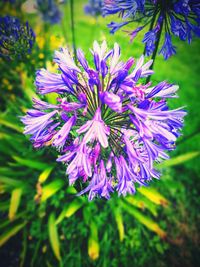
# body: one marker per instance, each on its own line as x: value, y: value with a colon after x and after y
x: 72, y: 28
x: 155, y: 51
x: 63, y: 28
x: 157, y: 42
x: 152, y: 24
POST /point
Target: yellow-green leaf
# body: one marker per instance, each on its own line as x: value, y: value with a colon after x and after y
x: 93, y: 242
x: 50, y: 189
x: 153, y: 195
x: 179, y: 159
x: 71, y: 190
x: 70, y: 209
x: 149, y: 223
x: 9, y: 233
x: 53, y: 236
x: 119, y: 222
x: 142, y: 202
x: 14, y: 202
x: 45, y: 174
x: 52, y: 98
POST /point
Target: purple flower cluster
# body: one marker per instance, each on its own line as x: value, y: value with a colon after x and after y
x: 173, y: 17
x: 93, y: 8
x: 108, y: 126
x: 16, y: 39
x: 49, y: 10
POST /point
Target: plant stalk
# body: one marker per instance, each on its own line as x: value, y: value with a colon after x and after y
x: 155, y: 51
x: 72, y: 28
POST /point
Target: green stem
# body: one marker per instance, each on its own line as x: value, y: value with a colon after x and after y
x: 64, y: 32
x: 72, y: 28
x: 155, y: 51
x: 151, y: 26
x: 157, y: 43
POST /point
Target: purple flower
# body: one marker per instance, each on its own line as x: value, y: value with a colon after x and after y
x: 168, y: 49
x: 61, y: 136
x: 93, y: 8
x: 108, y: 126
x: 16, y: 39
x: 176, y: 17
x: 96, y: 130
x: 49, y: 10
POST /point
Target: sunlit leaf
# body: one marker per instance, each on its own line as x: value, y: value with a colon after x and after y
x: 53, y: 236
x: 142, y: 202
x: 149, y: 223
x: 179, y: 159
x: 45, y: 174
x: 9, y: 233
x: 71, y: 190
x: 50, y: 189
x: 14, y: 202
x: 93, y: 242
x: 119, y: 222
x: 70, y: 209
x: 27, y: 84
x: 153, y: 195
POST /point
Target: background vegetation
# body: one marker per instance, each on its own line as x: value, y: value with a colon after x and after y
x: 42, y: 222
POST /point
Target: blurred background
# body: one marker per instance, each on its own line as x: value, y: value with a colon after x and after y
x: 42, y: 222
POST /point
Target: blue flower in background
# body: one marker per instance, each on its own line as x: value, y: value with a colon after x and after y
x: 108, y: 127
x: 93, y: 8
x: 49, y: 10
x: 173, y: 17
x: 16, y: 39
x: 15, y: 2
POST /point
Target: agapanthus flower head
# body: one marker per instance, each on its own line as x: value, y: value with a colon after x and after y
x: 108, y: 126
x: 180, y: 18
x: 49, y: 10
x: 93, y: 7
x: 16, y: 39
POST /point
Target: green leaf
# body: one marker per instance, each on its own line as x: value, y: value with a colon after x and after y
x: 11, y: 182
x: 38, y: 165
x: 52, y: 98
x: 119, y: 222
x: 11, y: 124
x: 50, y: 189
x: 70, y: 209
x: 11, y: 232
x: 149, y: 223
x: 45, y: 174
x: 178, y: 160
x: 53, y: 236
x: 8, y: 140
x: 71, y: 190
x: 153, y: 195
x: 14, y: 202
x: 7, y: 222
x: 24, y: 248
x: 4, y: 205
